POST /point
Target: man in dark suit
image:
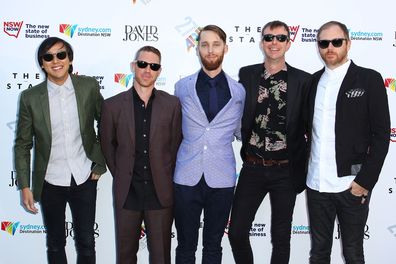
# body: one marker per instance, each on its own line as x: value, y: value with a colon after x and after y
x: 140, y: 135
x: 274, y: 150
x: 57, y: 118
x: 349, y: 136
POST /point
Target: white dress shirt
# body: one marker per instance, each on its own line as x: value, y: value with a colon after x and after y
x: 322, y: 167
x: 67, y: 152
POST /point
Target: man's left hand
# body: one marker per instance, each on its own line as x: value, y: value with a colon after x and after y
x: 358, y: 190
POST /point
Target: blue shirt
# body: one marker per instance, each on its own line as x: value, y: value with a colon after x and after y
x: 222, y: 90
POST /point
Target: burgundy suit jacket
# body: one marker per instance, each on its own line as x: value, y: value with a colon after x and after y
x: 117, y: 137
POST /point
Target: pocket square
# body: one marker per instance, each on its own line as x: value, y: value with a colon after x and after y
x: 356, y: 92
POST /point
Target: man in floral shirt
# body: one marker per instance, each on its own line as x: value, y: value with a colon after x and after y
x: 274, y: 148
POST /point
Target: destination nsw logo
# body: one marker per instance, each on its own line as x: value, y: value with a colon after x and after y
x: 11, y: 228
x: 124, y: 79
x: 70, y: 30
x: 391, y: 84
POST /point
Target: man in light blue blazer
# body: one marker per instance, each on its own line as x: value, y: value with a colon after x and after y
x: 205, y: 176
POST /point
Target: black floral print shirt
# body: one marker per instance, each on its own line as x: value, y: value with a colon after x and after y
x: 268, y: 138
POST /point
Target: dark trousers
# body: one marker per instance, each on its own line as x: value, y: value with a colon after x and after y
x: 82, y: 203
x: 352, y: 216
x: 190, y: 201
x: 253, y: 185
x: 158, y: 225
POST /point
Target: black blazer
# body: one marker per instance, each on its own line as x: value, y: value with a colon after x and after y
x: 298, y: 83
x: 362, y: 124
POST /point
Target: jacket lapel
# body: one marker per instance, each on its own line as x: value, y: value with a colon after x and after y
x: 128, y: 113
x: 45, y: 106
x: 292, y: 93
x: 156, y: 110
x: 79, y: 92
x: 192, y: 91
x: 348, y: 81
x: 230, y: 102
x: 253, y: 91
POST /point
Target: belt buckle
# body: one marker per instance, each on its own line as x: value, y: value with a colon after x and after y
x: 268, y: 163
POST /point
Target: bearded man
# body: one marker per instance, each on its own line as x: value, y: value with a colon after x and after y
x: 205, y: 175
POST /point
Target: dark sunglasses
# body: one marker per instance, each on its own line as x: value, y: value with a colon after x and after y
x: 270, y: 37
x: 60, y: 55
x: 324, y: 43
x: 143, y: 65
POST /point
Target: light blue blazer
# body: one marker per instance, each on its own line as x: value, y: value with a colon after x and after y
x: 207, y: 147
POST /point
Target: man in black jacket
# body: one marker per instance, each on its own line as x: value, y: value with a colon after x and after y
x: 349, y: 137
x: 274, y: 148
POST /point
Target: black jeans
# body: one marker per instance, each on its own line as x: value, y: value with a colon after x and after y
x: 352, y: 216
x: 190, y: 201
x: 82, y: 203
x: 253, y: 185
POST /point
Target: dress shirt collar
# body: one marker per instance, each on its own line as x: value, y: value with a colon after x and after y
x: 267, y: 74
x: 137, y: 97
x: 53, y: 87
x: 206, y: 77
x: 339, y: 71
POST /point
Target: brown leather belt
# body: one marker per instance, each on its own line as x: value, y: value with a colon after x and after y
x: 267, y: 163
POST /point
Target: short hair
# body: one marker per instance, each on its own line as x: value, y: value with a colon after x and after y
x: 276, y: 24
x: 342, y: 26
x: 216, y: 29
x: 148, y: 49
x: 47, y: 45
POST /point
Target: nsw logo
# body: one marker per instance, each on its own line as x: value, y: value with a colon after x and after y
x: 293, y: 32
x: 393, y: 134
x: 12, y: 28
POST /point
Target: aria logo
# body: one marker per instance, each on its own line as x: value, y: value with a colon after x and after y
x: 12, y: 28
x: 189, y: 30
x: 143, y: 1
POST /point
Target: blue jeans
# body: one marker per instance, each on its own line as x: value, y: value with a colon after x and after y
x: 352, y: 216
x: 82, y: 203
x: 190, y: 201
x: 254, y: 183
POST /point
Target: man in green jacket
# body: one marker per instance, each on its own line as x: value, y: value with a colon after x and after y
x: 56, y: 118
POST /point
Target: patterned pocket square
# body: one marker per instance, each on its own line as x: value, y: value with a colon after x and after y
x: 353, y: 93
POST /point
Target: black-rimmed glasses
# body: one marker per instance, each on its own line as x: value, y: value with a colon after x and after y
x: 324, y: 43
x: 144, y: 64
x: 270, y: 37
x: 59, y: 55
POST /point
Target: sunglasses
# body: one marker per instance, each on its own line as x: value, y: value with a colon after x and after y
x: 324, y: 43
x: 60, y: 55
x: 270, y: 37
x: 143, y: 65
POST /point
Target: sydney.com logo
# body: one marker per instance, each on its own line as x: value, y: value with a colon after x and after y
x: 70, y: 29
x: 12, y: 227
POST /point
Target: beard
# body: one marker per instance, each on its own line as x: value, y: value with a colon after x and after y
x: 212, y: 65
x: 336, y: 59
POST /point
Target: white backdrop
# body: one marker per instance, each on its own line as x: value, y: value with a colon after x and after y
x: 105, y: 36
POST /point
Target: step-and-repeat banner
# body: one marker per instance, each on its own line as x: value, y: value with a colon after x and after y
x: 105, y: 36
